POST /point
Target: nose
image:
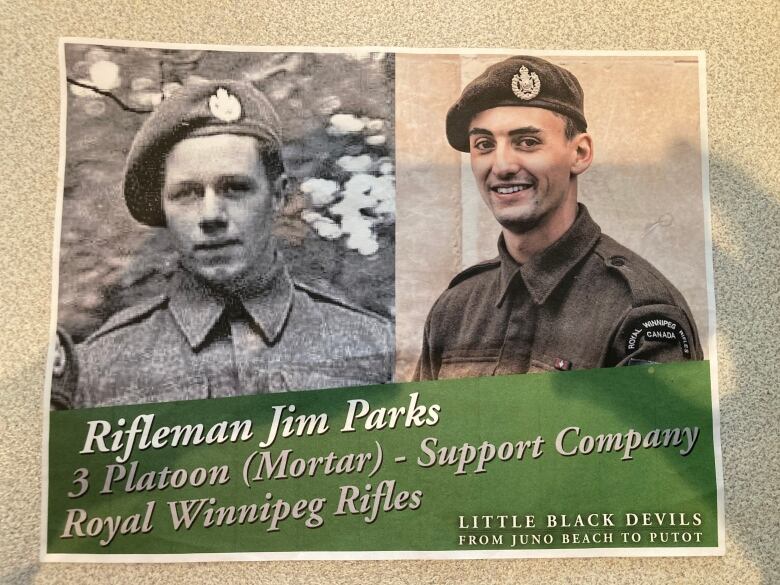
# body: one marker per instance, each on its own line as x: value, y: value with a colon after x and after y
x: 506, y: 161
x: 212, y: 211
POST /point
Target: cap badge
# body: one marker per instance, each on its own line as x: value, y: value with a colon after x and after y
x: 525, y: 84
x: 225, y: 106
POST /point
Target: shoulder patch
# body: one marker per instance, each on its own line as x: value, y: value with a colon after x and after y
x: 128, y: 316
x: 648, y: 286
x: 659, y: 329
x: 329, y: 297
x: 474, y: 270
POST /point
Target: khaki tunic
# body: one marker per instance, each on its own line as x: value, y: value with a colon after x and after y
x: 192, y: 343
x: 584, y: 302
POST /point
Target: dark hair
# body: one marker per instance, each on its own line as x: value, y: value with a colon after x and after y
x: 273, y: 165
x: 570, y: 129
x: 272, y: 161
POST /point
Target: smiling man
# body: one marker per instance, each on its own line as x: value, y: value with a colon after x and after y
x: 206, y: 166
x: 560, y: 295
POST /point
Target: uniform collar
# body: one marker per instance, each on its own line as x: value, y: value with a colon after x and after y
x: 196, y: 308
x: 544, y: 271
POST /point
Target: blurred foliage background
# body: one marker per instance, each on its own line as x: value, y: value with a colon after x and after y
x: 337, y: 231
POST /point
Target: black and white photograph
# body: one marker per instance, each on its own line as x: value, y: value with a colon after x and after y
x: 227, y: 224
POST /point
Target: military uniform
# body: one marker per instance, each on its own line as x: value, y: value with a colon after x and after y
x: 192, y: 343
x: 207, y: 336
x: 584, y: 302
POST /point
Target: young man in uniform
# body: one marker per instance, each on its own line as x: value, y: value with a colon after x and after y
x: 206, y: 165
x: 561, y: 295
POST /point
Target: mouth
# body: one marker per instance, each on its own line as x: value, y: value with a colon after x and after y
x: 512, y: 188
x: 216, y: 245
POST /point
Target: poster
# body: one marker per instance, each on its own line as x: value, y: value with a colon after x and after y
x: 157, y: 451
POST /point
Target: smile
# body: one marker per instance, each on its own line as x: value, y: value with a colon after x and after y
x: 509, y: 189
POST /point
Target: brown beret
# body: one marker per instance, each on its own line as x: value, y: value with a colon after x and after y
x: 200, y: 108
x: 517, y: 81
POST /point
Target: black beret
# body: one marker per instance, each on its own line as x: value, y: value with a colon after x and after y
x: 200, y: 108
x: 517, y: 81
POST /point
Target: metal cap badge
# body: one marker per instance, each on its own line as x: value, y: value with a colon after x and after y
x: 525, y: 84
x: 224, y: 106
x: 517, y: 81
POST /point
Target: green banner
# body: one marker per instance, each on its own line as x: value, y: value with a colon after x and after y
x: 613, y: 458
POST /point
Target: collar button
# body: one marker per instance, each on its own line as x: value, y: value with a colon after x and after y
x: 617, y: 261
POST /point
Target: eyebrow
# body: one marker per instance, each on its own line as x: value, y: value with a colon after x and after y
x: 238, y: 177
x: 177, y: 185
x: 220, y: 180
x: 524, y: 130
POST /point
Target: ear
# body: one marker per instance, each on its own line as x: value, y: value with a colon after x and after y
x: 280, y: 187
x: 583, y: 153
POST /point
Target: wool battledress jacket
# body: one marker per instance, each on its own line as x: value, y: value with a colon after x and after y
x: 192, y: 343
x: 584, y: 302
